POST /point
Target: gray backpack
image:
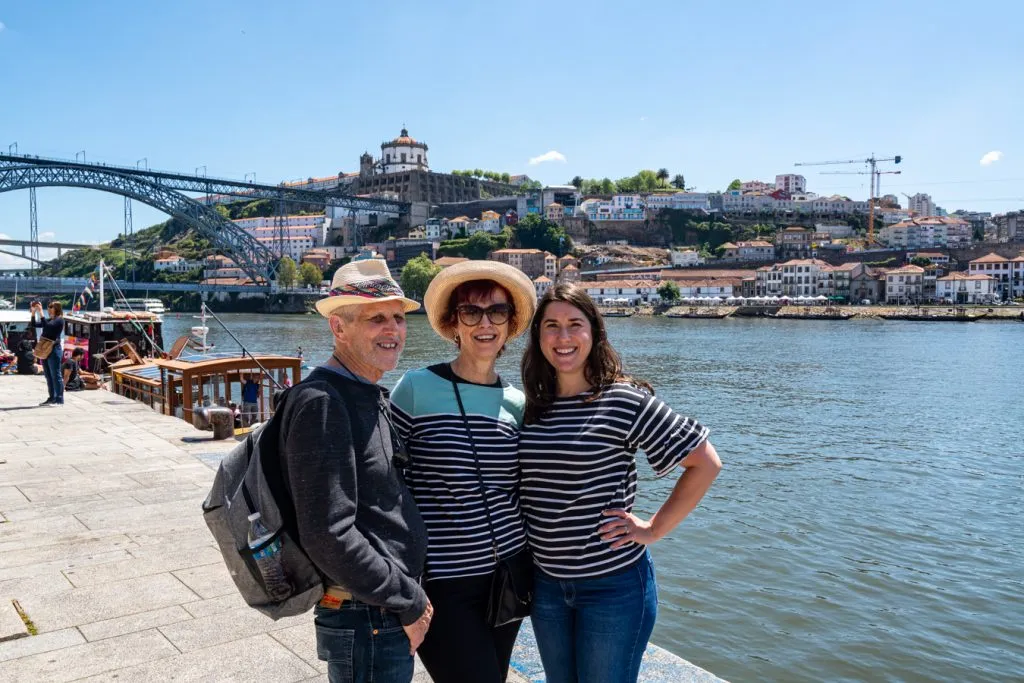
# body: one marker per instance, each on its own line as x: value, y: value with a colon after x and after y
x: 249, y: 480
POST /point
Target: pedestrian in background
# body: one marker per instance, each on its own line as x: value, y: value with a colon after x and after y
x: 52, y: 329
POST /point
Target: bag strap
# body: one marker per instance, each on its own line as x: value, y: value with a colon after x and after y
x: 479, y: 474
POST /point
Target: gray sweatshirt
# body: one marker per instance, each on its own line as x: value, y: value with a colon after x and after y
x: 356, y: 519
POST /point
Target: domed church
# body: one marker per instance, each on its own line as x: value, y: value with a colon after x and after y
x: 403, y: 154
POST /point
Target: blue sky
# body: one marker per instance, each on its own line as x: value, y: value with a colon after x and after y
x: 712, y: 90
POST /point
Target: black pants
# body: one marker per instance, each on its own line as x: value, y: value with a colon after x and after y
x: 460, y: 646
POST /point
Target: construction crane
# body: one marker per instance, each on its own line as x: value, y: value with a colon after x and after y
x: 872, y: 163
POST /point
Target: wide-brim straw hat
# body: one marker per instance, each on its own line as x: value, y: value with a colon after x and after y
x: 524, y: 295
x: 367, y: 281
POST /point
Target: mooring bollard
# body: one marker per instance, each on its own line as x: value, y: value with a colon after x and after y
x: 217, y: 419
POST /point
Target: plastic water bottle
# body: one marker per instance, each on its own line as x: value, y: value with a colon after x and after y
x: 268, y: 559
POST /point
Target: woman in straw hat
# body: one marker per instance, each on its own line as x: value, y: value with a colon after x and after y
x: 460, y: 421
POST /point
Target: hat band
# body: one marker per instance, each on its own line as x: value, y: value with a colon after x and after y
x: 369, y: 289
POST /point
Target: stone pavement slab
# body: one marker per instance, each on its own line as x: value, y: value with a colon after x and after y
x: 103, y: 544
x: 12, y: 627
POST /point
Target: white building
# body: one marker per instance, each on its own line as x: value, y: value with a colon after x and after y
x: 175, y: 264
x: 836, y: 230
x: 490, y: 221
x: 921, y: 205
x: 965, y: 288
x: 621, y: 207
x: 626, y: 292
x: 755, y: 250
x: 542, y: 284
x: 289, y: 236
x: 791, y: 183
x: 713, y: 287
x: 460, y: 223
x: 403, y: 154
x: 1008, y: 274
x: 684, y: 258
x: 927, y: 233
x: 437, y: 229
x: 904, y: 285
x: 691, y: 201
x: 550, y: 266
x: 800, y: 277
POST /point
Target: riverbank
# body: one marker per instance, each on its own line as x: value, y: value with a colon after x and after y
x: 103, y: 547
x: 927, y: 313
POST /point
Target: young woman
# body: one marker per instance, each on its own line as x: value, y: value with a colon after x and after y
x: 595, y: 594
x: 460, y: 424
x: 52, y: 329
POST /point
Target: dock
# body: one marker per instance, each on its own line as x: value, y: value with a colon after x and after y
x: 108, y: 572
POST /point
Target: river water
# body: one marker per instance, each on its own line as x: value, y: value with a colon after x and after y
x: 868, y: 523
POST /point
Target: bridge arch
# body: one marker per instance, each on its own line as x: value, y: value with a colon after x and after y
x: 251, y: 256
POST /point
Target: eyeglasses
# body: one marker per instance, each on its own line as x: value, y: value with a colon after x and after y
x: 472, y: 315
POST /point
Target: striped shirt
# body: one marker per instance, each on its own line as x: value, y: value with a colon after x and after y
x: 442, y: 474
x: 579, y: 460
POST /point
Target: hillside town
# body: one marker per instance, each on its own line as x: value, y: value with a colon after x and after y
x: 623, y: 245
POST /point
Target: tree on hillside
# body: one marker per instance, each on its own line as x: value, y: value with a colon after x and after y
x: 310, y: 275
x: 223, y: 211
x: 922, y: 261
x: 735, y: 184
x: 479, y: 245
x: 417, y: 275
x: 669, y: 292
x: 505, y: 177
x: 535, y: 232
x: 286, y: 272
x: 663, y: 175
x: 679, y: 182
x: 607, y: 186
x: 576, y: 182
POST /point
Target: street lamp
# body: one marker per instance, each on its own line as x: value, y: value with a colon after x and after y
x: 143, y: 160
x: 83, y: 156
x: 247, y: 178
x: 12, y: 148
x: 201, y: 167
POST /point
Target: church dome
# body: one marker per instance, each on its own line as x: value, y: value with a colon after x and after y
x: 404, y: 140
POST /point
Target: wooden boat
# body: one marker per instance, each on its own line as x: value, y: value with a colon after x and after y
x: 617, y: 313
x: 713, y: 312
x: 104, y: 334
x: 178, y: 386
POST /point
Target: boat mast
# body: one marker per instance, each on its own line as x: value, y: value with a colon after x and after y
x: 102, y: 274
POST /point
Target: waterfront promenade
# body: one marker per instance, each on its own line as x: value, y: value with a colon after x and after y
x: 103, y: 546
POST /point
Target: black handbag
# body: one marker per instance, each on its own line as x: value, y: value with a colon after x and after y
x: 511, y: 594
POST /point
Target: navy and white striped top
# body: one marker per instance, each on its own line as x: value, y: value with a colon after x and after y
x: 442, y: 473
x: 579, y: 459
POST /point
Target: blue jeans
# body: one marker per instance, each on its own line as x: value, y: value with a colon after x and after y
x: 362, y: 644
x: 595, y: 630
x: 54, y: 380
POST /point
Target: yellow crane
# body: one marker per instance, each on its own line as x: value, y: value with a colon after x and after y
x: 876, y: 180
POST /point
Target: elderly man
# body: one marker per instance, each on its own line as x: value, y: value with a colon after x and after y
x: 356, y: 519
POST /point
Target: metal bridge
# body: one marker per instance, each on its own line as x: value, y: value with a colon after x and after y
x: 165, y: 191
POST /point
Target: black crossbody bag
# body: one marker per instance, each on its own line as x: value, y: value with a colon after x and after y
x: 511, y: 595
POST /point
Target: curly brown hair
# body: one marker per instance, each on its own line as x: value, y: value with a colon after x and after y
x: 603, y: 366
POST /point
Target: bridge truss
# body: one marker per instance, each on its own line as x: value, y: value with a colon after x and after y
x: 250, y: 255
x: 165, y: 191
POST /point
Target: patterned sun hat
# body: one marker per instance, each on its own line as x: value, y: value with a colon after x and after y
x: 367, y: 281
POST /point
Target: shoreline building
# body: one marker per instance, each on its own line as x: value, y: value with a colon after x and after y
x: 289, y: 236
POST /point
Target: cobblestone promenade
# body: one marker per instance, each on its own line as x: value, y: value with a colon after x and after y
x: 103, y: 547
